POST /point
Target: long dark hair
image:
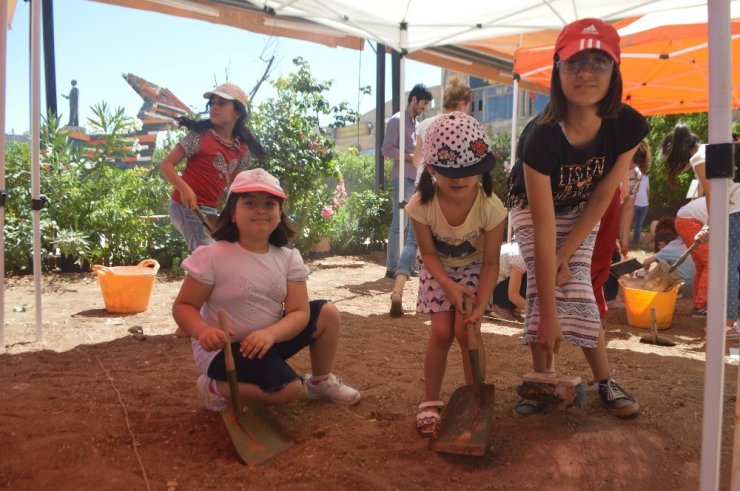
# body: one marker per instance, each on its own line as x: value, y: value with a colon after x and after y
x: 226, y: 228
x: 240, y: 131
x: 643, y: 156
x: 677, y: 148
x: 426, y: 185
x: 556, y: 109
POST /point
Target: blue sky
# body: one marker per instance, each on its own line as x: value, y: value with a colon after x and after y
x: 95, y: 43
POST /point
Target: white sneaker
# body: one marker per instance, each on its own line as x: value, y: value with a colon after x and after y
x: 332, y: 389
x: 214, y: 402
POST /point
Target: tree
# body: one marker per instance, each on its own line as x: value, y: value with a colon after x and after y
x: 301, y: 153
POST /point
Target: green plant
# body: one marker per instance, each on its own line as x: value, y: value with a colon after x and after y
x: 667, y: 197
x: 301, y: 152
x: 365, y: 226
x: 95, y: 212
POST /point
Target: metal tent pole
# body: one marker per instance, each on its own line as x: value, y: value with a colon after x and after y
x: 514, y: 126
x: 3, y: 194
x: 36, y: 203
x: 720, y: 119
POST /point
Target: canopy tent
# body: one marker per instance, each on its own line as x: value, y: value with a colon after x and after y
x: 665, y: 62
x: 412, y: 25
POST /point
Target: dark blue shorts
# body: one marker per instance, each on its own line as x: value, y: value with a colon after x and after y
x: 271, y: 372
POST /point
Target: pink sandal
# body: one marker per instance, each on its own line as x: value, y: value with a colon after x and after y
x: 428, y: 417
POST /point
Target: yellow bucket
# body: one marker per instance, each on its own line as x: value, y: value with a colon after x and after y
x: 126, y: 289
x: 639, y: 302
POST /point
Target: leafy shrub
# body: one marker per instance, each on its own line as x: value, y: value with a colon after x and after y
x: 95, y: 212
x: 301, y: 153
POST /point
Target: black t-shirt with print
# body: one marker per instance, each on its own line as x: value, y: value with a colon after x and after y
x: 573, y: 172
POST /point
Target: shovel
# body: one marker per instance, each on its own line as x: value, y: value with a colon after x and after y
x: 664, y: 277
x: 625, y: 267
x: 204, y: 220
x: 256, y: 437
x: 653, y: 337
x: 466, y: 420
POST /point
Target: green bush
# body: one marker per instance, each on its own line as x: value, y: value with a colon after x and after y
x: 95, y: 212
x: 301, y: 153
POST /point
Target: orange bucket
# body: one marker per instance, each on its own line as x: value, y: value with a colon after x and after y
x: 126, y: 289
x: 639, y: 302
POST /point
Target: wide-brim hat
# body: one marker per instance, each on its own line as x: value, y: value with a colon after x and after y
x: 456, y: 145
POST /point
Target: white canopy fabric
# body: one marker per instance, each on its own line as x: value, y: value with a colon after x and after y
x: 410, y: 25
x: 438, y: 22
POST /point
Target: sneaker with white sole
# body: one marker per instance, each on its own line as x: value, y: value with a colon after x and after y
x: 618, y: 401
x: 214, y: 402
x: 332, y: 389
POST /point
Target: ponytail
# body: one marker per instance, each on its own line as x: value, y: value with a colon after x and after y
x: 677, y: 148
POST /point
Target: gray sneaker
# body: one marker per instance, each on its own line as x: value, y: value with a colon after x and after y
x: 332, y: 389
x: 618, y: 401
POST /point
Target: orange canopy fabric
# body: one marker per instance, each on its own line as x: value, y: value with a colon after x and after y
x: 665, y: 69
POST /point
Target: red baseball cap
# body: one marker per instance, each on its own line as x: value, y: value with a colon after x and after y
x: 586, y: 34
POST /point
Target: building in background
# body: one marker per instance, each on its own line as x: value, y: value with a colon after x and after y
x: 491, y: 105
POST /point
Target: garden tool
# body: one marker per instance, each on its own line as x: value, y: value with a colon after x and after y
x: 653, y: 337
x: 256, y: 436
x: 625, y: 267
x: 204, y: 220
x: 664, y: 277
x: 466, y: 420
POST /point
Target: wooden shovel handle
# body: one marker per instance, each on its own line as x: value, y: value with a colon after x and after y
x: 203, y: 220
x: 683, y: 256
x: 472, y: 338
x: 229, y: 360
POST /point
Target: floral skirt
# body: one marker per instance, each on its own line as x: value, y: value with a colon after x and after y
x: 574, y: 301
x: 431, y: 295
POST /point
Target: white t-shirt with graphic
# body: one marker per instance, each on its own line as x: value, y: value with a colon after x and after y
x: 249, y: 288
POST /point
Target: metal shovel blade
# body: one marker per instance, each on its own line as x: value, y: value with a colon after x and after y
x: 256, y: 437
x: 466, y: 421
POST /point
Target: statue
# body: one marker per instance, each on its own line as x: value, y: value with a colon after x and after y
x: 73, y: 97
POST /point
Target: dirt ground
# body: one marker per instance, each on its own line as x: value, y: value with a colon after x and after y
x: 92, y: 407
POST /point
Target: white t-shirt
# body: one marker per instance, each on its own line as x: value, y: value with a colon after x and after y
x: 643, y: 191
x: 733, y: 192
x: 695, y: 209
x: 249, y: 288
x: 510, y: 257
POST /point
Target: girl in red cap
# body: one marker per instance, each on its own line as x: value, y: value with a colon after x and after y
x: 260, y: 285
x: 570, y: 160
x: 216, y: 149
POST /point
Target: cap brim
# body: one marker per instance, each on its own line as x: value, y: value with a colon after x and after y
x: 486, y: 164
x: 575, y: 47
x: 223, y: 95
x: 257, y: 189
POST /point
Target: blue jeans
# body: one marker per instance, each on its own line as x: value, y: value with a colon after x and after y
x: 733, y: 262
x: 637, y: 221
x: 405, y: 263
x: 189, y: 225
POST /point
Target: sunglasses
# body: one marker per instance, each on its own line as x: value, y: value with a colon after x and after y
x: 594, y: 63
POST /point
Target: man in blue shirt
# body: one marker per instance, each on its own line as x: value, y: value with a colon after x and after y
x: 401, y: 266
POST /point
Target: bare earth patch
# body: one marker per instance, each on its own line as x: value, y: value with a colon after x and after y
x: 92, y: 407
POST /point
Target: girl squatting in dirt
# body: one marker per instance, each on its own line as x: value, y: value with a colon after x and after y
x: 260, y: 285
x: 458, y: 223
x: 571, y: 159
